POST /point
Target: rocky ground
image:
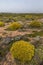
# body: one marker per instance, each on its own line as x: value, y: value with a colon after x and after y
x: 6, y: 39
x: 8, y: 60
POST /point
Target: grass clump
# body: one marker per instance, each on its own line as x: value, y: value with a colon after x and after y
x: 35, y: 24
x: 2, y: 24
x: 23, y: 51
x: 14, y: 26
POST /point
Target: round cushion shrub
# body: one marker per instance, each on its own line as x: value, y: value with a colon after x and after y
x: 2, y: 24
x: 35, y: 24
x: 14, y: 26
x: 22, y: 50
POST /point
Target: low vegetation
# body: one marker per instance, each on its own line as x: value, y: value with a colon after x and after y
x: 23, y: 51
x: 21, y: 39
x: 35, y: 24
x: 35, y: 34
x: 1, y: 24
x: 39, y: 52
x: 14, y: 26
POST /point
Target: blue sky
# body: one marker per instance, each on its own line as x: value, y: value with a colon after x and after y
x: 21, y: 6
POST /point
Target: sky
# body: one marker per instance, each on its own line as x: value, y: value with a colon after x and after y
x: 21, y: 6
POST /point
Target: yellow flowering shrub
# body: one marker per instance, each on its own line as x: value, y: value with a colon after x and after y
x: 22, y: 50
x: 14, y: 26
x: 2, y: 24
x: 35, y: 24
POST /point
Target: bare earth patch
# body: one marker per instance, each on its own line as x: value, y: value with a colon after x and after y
x: 12, y: 33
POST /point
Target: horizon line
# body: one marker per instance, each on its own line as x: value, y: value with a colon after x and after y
x: 24, y: 12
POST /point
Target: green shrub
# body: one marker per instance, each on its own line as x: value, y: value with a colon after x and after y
x: 39, y: 52
x: 37, y: 34
x: 35, y: 24
x: 2, y: 24
x: 14, y: 26
x: 22, y: 50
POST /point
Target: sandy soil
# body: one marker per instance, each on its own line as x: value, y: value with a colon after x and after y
x: 12, y: 33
